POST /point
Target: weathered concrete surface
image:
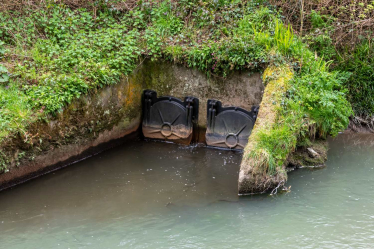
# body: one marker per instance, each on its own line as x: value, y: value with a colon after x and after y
x: 107, y: 114
x: 242, y: 89
x: 115, y: 111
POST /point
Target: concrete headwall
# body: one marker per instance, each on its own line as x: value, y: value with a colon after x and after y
x: 241, y: 89
x: 113, y: 112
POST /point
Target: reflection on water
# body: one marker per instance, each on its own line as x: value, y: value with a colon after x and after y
x: 158, y: 195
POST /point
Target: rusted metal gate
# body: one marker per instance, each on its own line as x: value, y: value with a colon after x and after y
x: 228, y: 127
x: 169, y: 118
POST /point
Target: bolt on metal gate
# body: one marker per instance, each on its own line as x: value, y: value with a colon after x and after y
x: 169, y: 118
x: 229, y: 127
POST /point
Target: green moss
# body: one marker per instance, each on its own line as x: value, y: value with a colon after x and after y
x: 158, y: 77
x: 273, y: 136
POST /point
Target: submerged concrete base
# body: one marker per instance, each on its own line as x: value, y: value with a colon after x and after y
x: 251, y: 182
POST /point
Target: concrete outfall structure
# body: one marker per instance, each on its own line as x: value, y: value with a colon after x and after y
x: 91, y: 123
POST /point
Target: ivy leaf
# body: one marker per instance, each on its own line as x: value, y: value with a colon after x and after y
x: 3, y: 69
x: 4, y: 77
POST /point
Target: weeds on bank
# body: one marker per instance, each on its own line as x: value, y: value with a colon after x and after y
x: 15, y: 113
x: 360, y: 62
x: 341, y: 31
x: 315, y: 102
x: 355, y: 57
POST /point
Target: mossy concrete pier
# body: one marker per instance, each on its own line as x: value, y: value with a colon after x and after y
x: 254, y: 174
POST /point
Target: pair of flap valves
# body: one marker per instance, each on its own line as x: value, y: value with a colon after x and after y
x: 169, y: 118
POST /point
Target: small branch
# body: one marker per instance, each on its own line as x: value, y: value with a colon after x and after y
x: 275, y: 191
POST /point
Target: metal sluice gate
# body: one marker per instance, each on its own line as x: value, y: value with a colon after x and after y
x: 170, y: 119
x: 228, y: 127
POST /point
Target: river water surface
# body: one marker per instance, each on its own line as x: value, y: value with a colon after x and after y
x: 159, y: 195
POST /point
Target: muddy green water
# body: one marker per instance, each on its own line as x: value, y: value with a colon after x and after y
x: 158, y: 195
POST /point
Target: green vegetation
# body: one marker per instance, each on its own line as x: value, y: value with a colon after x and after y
x: 55, y: 53
x: 360, y: 62
x: 340, y: 31
x: 16, y: 112
x: 4, y: 77
x: 356, y: 59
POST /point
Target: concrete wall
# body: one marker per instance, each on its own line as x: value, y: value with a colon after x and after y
x: 242, y: 89
x: 89, y: 124
x: 79, y: 131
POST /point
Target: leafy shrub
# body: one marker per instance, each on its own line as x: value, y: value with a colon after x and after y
x: 360, y: 62
x: 341, y: 31
x: 322, y: 98
x: 2, y: 49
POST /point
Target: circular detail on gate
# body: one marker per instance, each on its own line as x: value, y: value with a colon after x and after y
x: 166, y: 130
x: 231, y: 140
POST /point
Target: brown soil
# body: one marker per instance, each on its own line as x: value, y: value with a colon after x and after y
x: 302, y: 158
